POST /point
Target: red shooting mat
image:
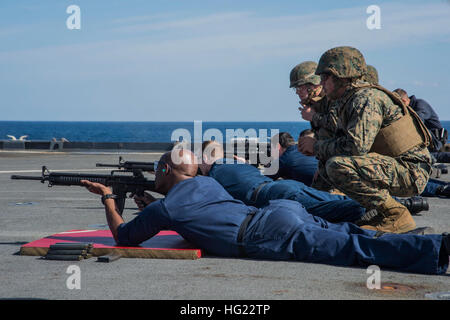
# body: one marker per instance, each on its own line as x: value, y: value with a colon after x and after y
x: 165, y: 245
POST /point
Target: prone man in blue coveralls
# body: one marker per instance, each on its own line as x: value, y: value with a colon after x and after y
x: 246, y: 183
x: 292, y: 163
x: 203, y: 213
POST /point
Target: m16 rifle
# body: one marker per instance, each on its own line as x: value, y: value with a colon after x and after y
x: 121, y: 184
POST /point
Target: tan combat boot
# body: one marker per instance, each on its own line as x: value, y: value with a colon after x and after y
x: 392, y: 217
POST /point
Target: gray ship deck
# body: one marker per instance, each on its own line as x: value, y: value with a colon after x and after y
x: 30, y: 210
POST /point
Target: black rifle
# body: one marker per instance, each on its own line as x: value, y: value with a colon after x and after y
x: 120, y: 184
x: 130, y: 166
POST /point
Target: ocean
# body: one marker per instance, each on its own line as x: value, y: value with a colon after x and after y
x: 143, y: 131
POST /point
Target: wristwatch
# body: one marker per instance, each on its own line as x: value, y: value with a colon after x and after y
x: 108, y: 196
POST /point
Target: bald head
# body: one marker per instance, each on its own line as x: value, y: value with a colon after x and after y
x: 174, y: 167
x: 182, y: 161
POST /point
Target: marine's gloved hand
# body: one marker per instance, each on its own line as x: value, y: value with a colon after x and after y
x: 143, y: 201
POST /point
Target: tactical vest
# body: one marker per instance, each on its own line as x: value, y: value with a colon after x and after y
x: 401, y: 135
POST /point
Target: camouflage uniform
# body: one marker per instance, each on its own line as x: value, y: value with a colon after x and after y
x: 324, y: 121
x: 373, y: 118
x: 324, y: 125
x: 369, y: 177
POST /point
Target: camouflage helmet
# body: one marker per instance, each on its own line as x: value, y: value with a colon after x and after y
x: 343, y: 62
x: 303, y: 73
x: 372, y: 75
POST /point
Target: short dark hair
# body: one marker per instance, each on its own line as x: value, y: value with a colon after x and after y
x: 284, y: 139
x: 402, y: 93
x: 305, y: 132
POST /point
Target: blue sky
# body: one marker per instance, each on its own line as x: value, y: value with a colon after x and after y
x: 221, y: 60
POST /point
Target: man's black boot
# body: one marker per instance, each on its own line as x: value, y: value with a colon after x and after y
x: 446, y: 242
x: 443, y: 191
x: 415, y: 204
x: 442, y: 167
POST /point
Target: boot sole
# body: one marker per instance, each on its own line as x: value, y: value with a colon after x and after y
x: 421, y: 231
x: 391, y: 228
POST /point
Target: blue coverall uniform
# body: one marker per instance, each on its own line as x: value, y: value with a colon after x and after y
x: 296, y: 166
x: 429, y: 118
x: 203, y: 213
x: 241, y: 180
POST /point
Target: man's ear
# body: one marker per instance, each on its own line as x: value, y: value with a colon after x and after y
x: 205, y: 158
x: 279, y: 147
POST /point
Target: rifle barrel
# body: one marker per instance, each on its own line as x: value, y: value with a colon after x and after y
x: 16, y: 177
